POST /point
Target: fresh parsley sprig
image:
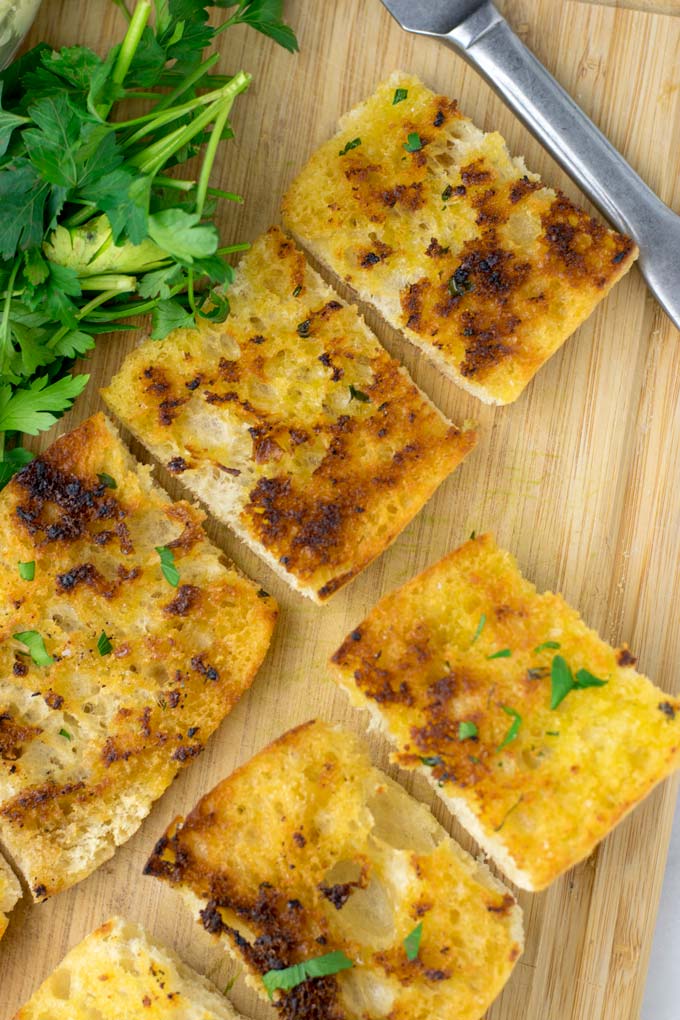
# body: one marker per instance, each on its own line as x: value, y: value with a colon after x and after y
x: 95, y: 229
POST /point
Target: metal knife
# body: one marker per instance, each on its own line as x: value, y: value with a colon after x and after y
x: 480, y: 34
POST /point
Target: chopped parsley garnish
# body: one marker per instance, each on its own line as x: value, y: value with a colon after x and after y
x: 546, y: 644
x: 514, y: 728
x: 480, y: 628
x: 513, y: 807
x: 350, y: 145
x: 104, y: 645
x: 355, y: 394
x: 66, y: 734
x: 303, y: 328
x: 537, y: 674
x: 298, y: 290
x: 504, y: 653
x: 170, y: 571
x: 562, y: 681
x: 35, y: 645
x: 552, y: 733
x: 414, y: 143
x: 467, y: 731
x: 412, y: 942
x: 399, y: 96
x: 107, y: 480
x: 432, y: 761
x: 447, y: 192
x: 318, y: 966
x: 27, y: 570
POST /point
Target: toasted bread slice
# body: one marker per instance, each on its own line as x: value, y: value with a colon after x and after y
x: 432, y: 221
x: 90, y: 740
x: 291, y: 422
x: 459, y: 669
x: 120, y: 972
x: 307, y: 850
x: 10, y: 893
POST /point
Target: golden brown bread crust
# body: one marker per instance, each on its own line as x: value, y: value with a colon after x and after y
x: 291, y: 422
x: 90, y: 741
x: 120, y: 973
x: 10, y: 892
x: 471, y: 256
x: 541, y: 801
x: 306, y: 850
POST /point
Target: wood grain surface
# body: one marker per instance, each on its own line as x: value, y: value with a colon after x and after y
x: 579, y: 478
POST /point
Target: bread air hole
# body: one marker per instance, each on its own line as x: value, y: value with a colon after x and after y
x: 60, y: 984
x: 364, y: 994
x: 401, y: 822
x: 367, y: 916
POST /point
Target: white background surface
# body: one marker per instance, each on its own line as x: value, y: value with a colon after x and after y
x: 662, y: 995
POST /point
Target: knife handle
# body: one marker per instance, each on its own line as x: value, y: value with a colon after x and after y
x: 488, y: 43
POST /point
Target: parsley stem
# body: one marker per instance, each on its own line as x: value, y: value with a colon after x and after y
x: 209, y: 157
x: 154, y: 120
x: 187, y: 82
x: 231, y: 248
x: 123, y: 8
x: 85, y: 310
x: 116, y: 282
x: 127, y: 50
x: 6, y: 345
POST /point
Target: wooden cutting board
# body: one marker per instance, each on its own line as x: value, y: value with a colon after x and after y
x: 580, y: 478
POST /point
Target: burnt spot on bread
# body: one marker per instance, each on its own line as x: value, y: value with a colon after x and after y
x: 185, y: 600
x: 624, y: 657
x: 523, y: 187
x: 378, y: 252
x: 84, y: 574
x: 407, y: 196
x: 38, y: 802
x: 56, y: 505
x: 53, y: 700
x: 475, y: 173
x: 577, y: 242
x: 435, y: 250
x: 176, y: 465
x: 14, y: 735
x: 667, y: 709
x: 199, y: 664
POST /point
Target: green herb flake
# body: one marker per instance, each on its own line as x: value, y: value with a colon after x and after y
x: 302, y: 329
x: 552, y: 733
x: 170, y: 571
x: 414, y: 143
x: 561, y: 681
x: 65, y: 734
x: 514, y: 728
x: 349, y: 146
x: 507, y: 814
x: 546, y: 644
x: 107, y: 480
x: 27, y: 570
x: 432, y: 761
x: 467, y: 731
x: 473, y: 536
x: 504, y: 653
x: 298, y: 290
x: 104, y: 645
x: 474, y: 759
x: 355, y: 394
x: 480, y: 628
x: 460, y: 283
x: 412, y: 942
x: 584, y: 678
x: 318, y: 966
x: 399, y: 96
x: 446, y: 193
x: 35, y: 645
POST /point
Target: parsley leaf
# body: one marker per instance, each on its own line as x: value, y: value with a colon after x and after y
x: 26, y: 570
x: 480, y: 628
x: 514, y: 728
x: 504, y: 653
x: 349, y: 146
x: 414, y: 143
x: 433, y: 761
x: 318, y: 966
x: 169, y: 315
x: 412, y: 942
x: 561, y: 681
x: 399, y: 96
x: 546, y: 644
x: 104, y: 646
x: 182, y: 235
x: 35, y: 645
x: 467, y: 731
x: 65, y: 734
x: 30, y: 409
x: 355, y: 394
x: 107, y: 480
x: 265, y: 16
x: 12, y: 462
x: 168, y: 568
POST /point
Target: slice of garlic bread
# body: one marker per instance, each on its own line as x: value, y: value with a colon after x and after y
x: 118, y: 662
x: 10, y: 893
x: 342, y: 895
x: 431, y: 220
x: 291, y: 422
x: 120, y: 973
x: 537, y: 734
